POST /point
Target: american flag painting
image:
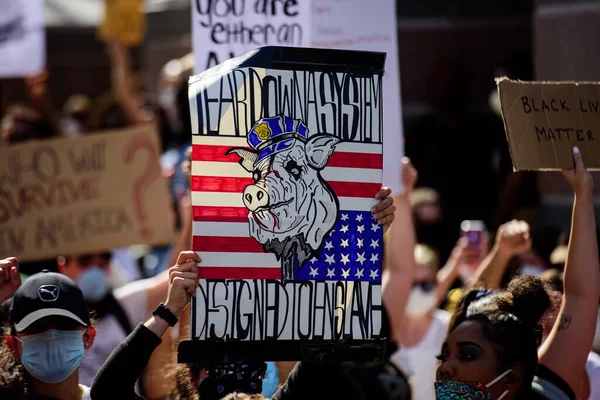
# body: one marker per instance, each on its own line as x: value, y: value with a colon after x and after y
x: 351, y: 251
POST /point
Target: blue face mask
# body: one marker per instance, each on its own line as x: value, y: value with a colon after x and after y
x: 52, y: 356
x: 94, y: 284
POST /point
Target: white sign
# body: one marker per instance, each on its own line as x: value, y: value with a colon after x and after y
x: 22, y: 38
x: 360, y: 25
x: 223, y: 29
x: 285, y: 167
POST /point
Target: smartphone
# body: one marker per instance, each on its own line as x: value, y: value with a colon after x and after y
x: 473, y: 231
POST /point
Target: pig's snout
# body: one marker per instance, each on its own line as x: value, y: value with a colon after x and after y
x: 255, y: 197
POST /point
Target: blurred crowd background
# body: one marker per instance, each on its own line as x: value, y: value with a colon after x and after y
x: 449, y: 51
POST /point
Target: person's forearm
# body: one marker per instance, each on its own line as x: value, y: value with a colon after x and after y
x: 157, y: 325
x: 492, y: 268
x: 121, y: 370
x: 402, y: 239
x: 399, y: 264
x: 122, y: 79
x: 445, y: 277
x: 582, y: 271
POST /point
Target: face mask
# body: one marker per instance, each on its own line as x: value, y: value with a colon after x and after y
x: 52, y: 356
x: 94, y: 284
x: 420, y: 301
x: 446, y: 390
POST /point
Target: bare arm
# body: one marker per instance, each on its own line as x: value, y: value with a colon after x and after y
x: 122, y: 83
x: 566, y: 350
x: 399, y: 260
x: 10, y: 280
x: 156, y: 381
x: 513, y: 238
x: 449, y: 272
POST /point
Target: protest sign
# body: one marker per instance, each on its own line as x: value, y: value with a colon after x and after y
x: 545, y: 120
x: 74, y: 196
x: 286, y: 161
x: 359, y: 25
x: 225, y: 29
x: 124, y: 20
x: 22, y: 38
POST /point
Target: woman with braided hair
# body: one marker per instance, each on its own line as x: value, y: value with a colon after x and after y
x: 491, y: 351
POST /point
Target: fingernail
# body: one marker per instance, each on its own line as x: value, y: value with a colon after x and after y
x: 575, y: 150
x: 372, y: 210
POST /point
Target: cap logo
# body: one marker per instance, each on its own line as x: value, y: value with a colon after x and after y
x: 48, y: 292
x: 263, y: 131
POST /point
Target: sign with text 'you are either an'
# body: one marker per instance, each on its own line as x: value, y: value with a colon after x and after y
x: 287, y: 159
x: 222, y: 29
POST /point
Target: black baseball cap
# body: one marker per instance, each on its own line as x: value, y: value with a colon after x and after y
x: 47, y: 294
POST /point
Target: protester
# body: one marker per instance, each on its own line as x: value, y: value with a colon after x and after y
x: 49, y: 332
x: 424, y: 327
x: 492, y: 347
x: 118, y: 311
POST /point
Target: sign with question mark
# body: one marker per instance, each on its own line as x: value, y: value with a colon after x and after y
x: 94, y: 193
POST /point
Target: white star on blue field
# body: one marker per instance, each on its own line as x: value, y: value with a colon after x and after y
x: 353, y: 251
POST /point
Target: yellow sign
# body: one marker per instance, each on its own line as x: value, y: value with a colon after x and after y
x: 124, y: 20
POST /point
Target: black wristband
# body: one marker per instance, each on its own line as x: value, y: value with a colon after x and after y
x: 165, y: 314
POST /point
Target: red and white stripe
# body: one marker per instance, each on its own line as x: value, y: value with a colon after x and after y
x: 221, y: 234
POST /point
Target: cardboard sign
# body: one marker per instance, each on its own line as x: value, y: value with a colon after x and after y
x: 22, y: 38
x: 358, y: 25
x: 125, y: 20
x: 225, y: 29
x: 545, y: 120
x: 286, y: 162
x: 74, y: 196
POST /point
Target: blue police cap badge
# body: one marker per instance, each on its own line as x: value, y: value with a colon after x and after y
x: 275, y: 134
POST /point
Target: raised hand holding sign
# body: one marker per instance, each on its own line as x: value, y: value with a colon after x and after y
x: 10, y: 280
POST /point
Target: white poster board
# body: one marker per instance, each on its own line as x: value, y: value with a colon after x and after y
x: 225, y: 29
x: 366, y: 25
x: 22, y: 38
